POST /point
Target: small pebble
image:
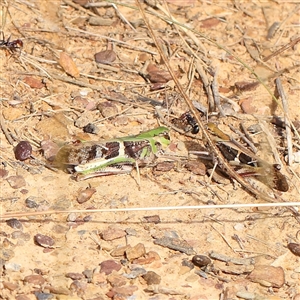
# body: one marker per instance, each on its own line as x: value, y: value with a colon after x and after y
x: 175, y: 244
x: 6, y: 254
x: 85, y: 195
x: 16, y: 182
x: 116, y: 279
x: 135, y: 252
x: 72, y: 217
x: 35, y: 279
x: 3, y: 173
x: 10, y: 285
x: 20, y: 235
x: 10, y: 266
x: 201, y: 261
x: 107, y: 109
x: 78, y: 287
x: 136, y: 272
x: 152, y: 278
x: 31, y: 203
x: 187, y: 263
x: 294, y: 248
x: 91, y: 128
x: 14, y: 223
x: 131, y: 231
x: 44, y: 240
x: 44, y: 296
x: 268, y: 276
x: 110, y: 265
x: 23, y: 150
x: 112, y: 233
x: 88, y: 274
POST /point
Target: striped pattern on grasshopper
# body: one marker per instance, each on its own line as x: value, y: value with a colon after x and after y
x: 115, y: 156
x: 248, y: 165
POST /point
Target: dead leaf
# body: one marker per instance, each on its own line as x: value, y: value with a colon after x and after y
x: 33, y: 82
x: 209, y: 23
x: 68, y: 64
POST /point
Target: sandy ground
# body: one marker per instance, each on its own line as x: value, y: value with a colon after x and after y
x: 46, y: 96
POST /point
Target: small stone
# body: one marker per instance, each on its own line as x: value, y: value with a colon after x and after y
x: 85, y: 195
x: 124, y: 290
x: 78, y: 287
x: 152, y: 278
x: 183, y: 270
x: 196, y: 167
x: 116, y: 280
x: 98, y: 278
x: 108, y: 109
x: 143, y: 260
x: 16, y: 182
x: 44, y: 296
x: 72, y: 217
x: 268, y: 276
x: 10, y: 285
x: 121, y: 121
x: 49, y: 149
x: 14, y: 223
x: 35, y: 279
x: 108, y: 266
x: 112, y: 233
x: 20, y: 235
x: 61, y: 290
x: 152, y: 219
x: 187, y: 263
x: 91, y: 128
x: 10, y: 266
x: 119, y: 251
x: 105, y: 56
x: 6, y: 254
x: 85, y: 118
x: 131, y: 231
x: 88, y: 274
x: 239, y: 226
x: 135, y: 273
x: 201, y: 261
x: 294, y: 248
x: 44, y: 240
x: 23, y: 150
x: 135, y: 252
x: 175, y: 244
x: 30, y: 203
x: 3, y: 173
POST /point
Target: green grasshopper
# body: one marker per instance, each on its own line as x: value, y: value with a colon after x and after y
x: 116, y: 156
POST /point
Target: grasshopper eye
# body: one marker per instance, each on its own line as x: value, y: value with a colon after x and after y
x: 166, y: 135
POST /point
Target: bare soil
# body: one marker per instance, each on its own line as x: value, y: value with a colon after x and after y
x: 46, y: 97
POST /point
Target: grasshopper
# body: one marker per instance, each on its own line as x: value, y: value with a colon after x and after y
x: 249, y: 165
x: 115, y: 156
